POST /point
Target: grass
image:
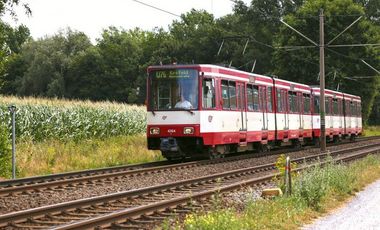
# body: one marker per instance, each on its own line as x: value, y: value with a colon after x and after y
x: 55, y: 156
x: 315, y: 193
x: 372, y: 131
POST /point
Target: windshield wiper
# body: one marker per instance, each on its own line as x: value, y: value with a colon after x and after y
x: 190, y: 111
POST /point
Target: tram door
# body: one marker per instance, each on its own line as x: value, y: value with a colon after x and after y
x: 357, y: 114
x: 340, y: 113
x: 301, y: 106
x: 285, y: 102
x: 241, y: 104
x: 263, y: 107
x: 348, y: 116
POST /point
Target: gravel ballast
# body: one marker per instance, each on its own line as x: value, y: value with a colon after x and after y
x: 48, y: 197
x: 363, y: 212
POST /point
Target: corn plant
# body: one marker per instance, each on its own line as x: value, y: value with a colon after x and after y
x: 72, y: 120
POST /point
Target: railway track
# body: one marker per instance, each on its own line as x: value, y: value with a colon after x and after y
x: 143, y: 207
x: 108, y: 175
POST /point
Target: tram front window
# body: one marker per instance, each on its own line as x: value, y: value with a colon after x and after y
x: 173, y: 89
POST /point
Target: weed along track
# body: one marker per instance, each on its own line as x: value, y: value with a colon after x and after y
x: 141, y: 208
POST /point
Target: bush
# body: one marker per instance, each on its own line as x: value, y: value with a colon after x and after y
x: 314, y: 184
x: 311, y: 187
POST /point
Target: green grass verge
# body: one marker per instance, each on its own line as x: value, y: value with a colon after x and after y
x: 55, y: 156
x: 372, y: 131
x: 315, y: 192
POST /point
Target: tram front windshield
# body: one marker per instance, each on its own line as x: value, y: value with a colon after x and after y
x: 175, y: 89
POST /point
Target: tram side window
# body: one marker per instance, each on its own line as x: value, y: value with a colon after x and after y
x: 229, y: 94
x: 232, y: 92
x: 225, y: 96
x: 359, y: 109
x: 279, y: 101
x: 306, y: 103
x: 250, y: 97
x: 256, y: 106
x: 316, y: 104
x: 327, y: 106
x: 346, y: 108
x: 269, y: 99
x: 253, y: 97
x: 208, y: 93
x: 293, y: 102
x: 335, y: 106
x: 352, y: 109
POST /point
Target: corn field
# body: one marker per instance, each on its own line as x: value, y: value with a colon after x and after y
x: 40, y: 119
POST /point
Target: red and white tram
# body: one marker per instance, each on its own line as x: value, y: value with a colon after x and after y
x: 208, y: 110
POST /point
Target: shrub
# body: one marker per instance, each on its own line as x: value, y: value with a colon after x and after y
x: 314, y: 184
x: 311, y: 187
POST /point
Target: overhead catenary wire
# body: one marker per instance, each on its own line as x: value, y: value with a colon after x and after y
x: 157, y: 8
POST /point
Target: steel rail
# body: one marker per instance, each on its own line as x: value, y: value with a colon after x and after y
x: 62, y: 180
x: 121, y: 217
x: 22, y: 216
x: 82, y: 173
x: 99, y: 177
x: 61, y: 176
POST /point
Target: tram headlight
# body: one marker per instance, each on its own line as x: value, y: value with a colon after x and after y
x: 188, y: 130
x: 154, y: 131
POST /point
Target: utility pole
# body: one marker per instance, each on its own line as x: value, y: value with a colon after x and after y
x: 322, y: 81
x: 322, y: 46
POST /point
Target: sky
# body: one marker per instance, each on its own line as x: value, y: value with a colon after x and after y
x: 92, y: 16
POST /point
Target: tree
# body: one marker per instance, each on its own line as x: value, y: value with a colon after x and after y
x: 109, y: 70
x: 197, y: 36
x: 11, y: 40
x: 374, y: 118
x: 342, y: 64
x: 45, y: 64
x: 7, y: 6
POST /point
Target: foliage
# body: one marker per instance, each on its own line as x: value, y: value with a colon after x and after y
x: 281, y: 167
x: 5, y: 151
x: 342, y: 64
x: 11, y: 40
x: 114, y: 61
x: 223, y: 219
x: 374, y: 118
x: 67, y: 122
x: 371, y: 131
x: 314, y: 185
x: 45, y: 63
x: 7, y: 6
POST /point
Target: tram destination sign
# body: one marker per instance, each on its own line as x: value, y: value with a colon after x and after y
x: 174, y: 73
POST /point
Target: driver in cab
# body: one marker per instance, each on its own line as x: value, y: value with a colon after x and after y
x: 183, y: 103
